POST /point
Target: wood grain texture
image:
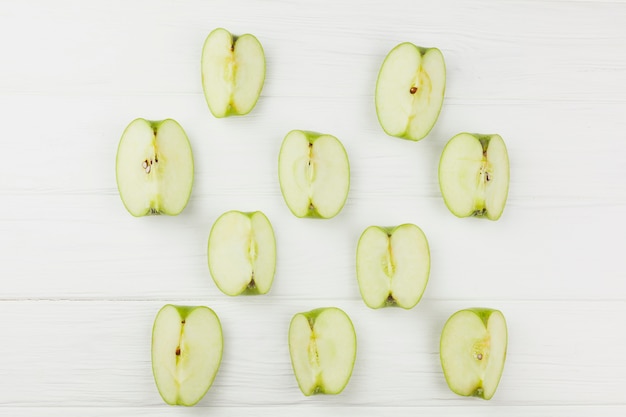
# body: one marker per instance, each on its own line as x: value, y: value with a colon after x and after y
x: 97, y: 353
x: 81, y: 280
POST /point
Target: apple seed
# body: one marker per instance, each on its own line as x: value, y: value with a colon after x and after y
x: 413, y: 90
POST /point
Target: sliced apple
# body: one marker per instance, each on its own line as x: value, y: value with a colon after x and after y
x: 154, y: 167
x: 314, y: 174
x: 392, y: 265
x: 242, y: 253
x: 409, y: 91
x: 473, y: 351
x: 322, y: 344
x: 233, y: 72
x: 474, y: 175
x: 187, y: 349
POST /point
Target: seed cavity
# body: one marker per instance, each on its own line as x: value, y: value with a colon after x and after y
x: 144, y: 164
x: 413, y: 90
x: 479, y: 356
x: 148, y: 169
x: 252, y: 284
x: 487, y: 177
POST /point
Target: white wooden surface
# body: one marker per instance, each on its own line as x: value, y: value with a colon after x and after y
x: 81, y: 280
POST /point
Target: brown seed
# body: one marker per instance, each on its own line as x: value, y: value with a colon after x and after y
x: 178, y: 351
x: 413, y: 90
x: 479, y: 356
x: 487, y: 177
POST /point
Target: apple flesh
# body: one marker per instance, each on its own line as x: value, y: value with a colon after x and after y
x: 187, y: 346
x: 473, y: 351
x: 474, y: 175
x: 154, y: 167
x: 322, y: 344
x: 392, y: 265
x: 314, y: 174
x: 233, y: 72
x: 409, y: 91
x: 242, y: 253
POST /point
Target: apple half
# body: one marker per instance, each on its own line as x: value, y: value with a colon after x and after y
x: 322, y: 345
x: 187, y: 346
x: 392, y: 265
x: 474, y: 175
x: 314, y: 174
x: 242, y: 253
x: 409, y: 91
x: 473, y: 351
x: 154, y: 167
x: 233, y: 72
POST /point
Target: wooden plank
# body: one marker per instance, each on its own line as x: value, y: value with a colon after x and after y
x: 97, y: 354
x: 477, y: 410
x: 550, y: 50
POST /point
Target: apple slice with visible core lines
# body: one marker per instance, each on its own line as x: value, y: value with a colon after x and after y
x: 392, y: 265
x: 154, y: 167
x: 242, y: 253
x: 233, y: 72
x: 187, y: 349
x: 322, y: 344
x: 409, y: 91
x: 473, y: 351
x: 314, y: 174
x: 474, y: 175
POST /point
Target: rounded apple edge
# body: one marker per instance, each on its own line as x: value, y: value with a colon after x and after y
x: 483, y: 313
x: 429, y: 263
x: 390, y: 229
x: 193, y: 167
x: 245, y: 291
x: 508, y: 174
x: 315, y: 214
x: 314, y: 313
x: 117, y: 157
x: 153, y: 123
x: 495, y: 218
x: 445, y: 79
x: 187, y: 310
x: 233, y: 39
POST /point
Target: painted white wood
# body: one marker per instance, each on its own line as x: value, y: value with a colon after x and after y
x: 97, y: 353
x: 81, y: 280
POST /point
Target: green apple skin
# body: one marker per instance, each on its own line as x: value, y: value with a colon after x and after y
x: 126, y: 166
x: 408, y: 297
x: 400, y: 93
x: 313, y: 211
x: 480, y: 349
x: 253, y: 287
x: 318, y: 387
x: 195, y: 359
x: 481, y: 180
x: 232, y: 109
